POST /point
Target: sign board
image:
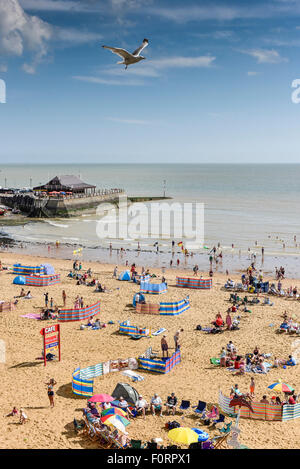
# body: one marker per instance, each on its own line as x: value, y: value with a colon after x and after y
x: 51, y: 336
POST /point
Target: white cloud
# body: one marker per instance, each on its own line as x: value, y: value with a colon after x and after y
x: 269, y: 56
x: 3, y: 68
x: 252, y: 74
x: 183, y: 62
x: 76, y: 36
x: 55, y: 5
x: 104, y: 81
x: 20, y: 32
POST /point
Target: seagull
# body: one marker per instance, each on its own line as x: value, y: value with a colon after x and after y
x: 129, y: 59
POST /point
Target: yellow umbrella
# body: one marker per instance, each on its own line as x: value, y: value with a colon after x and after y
x: 183, y: 435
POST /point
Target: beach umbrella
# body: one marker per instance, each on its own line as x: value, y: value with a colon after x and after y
x: 281, y: 387
x: 114, y: 411
x: 114, y: 420
x: 183, y: 435
x: 101, y: 398
x: 113, y: 417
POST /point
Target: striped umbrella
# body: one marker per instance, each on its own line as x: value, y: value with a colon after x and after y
x: 113, y: 411
x: 114, y: 420
x: 281, y: 387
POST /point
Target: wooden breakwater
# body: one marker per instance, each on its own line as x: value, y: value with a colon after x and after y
x: 51, y: 207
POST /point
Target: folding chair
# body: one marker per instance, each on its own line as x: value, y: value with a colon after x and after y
x: 200, y: 408
x: 184, y: 406
x: 226, y: 429
x: 136, y: 444
x: 221, y: 419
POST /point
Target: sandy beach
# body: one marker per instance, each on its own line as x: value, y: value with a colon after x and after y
x: 24, y: 377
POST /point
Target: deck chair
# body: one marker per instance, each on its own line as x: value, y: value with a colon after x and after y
x: 136, y: 444
x: 226, y: 428
x: 184, y: 406
x: 151, y: 445
x: 213, y: 414
x: 221, y: 419
x: 218, y: 441
x: 200, y: 408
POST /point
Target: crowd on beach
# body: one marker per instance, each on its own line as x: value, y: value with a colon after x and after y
x: 254, y: 361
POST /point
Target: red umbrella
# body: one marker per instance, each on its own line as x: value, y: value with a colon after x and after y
x: 101, y: 398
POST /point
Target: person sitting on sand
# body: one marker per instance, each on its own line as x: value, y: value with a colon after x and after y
x: 219, y: 321
x: 264, y: 400
x: 22, y: 294
x: 230, y: 347
x: 291, y: 361
x: 13, y: 413
x: 28, y: 296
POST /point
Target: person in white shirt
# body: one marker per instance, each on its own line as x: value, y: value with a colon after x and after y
x: 141, y: 405
x: 124, y: 405
x: 23, y: 417
x: 156, y: 404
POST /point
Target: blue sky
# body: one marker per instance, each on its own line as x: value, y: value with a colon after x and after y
x: 215, y: 85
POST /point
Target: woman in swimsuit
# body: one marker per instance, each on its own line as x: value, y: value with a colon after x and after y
x: 50, y: 385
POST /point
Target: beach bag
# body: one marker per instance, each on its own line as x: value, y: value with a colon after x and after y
x: 173, y: 424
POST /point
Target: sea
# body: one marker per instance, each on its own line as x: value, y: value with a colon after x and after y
x: 242, y: 208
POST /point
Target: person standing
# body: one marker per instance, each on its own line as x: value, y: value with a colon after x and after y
x: 50, y: 391
x: 46, y: 295
x: 176, y: 340
x: 252, y: 387
x: 64, y: 297
x: 164, y: 346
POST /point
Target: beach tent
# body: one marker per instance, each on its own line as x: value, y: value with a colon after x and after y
x: 19, y: 280
x: 48, y: 269
x: 138, y: 297
x: 128, y: 392
x: 125, y: 276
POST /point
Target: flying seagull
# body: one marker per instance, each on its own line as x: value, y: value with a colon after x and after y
x: 129, y: 59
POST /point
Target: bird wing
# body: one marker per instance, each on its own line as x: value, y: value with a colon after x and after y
x: 139, y: 50
x: 121, y: 52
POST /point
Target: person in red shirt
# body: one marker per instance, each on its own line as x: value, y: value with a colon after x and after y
x: 292, y: 399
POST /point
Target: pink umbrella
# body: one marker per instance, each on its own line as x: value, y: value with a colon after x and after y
x: 101, y: 398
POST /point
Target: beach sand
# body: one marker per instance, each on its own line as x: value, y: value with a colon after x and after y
x: 23, y: 377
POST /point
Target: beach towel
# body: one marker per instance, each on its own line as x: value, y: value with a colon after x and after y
x: 31, y: 316
x: 159, y: 331
x: 215, y: 361
x: 133, y: 375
